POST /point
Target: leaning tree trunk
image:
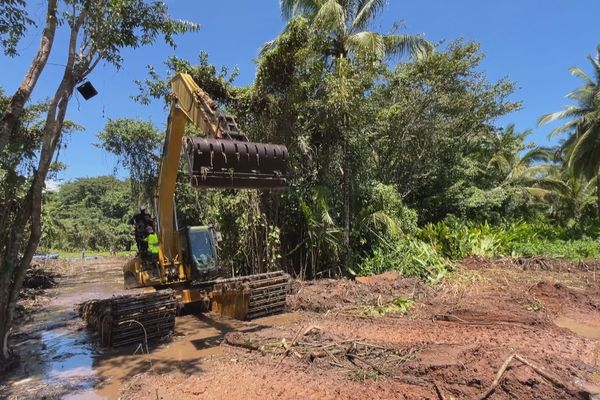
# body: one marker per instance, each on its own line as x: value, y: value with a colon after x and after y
x: 20, y: 250
x: 598, y: 193
x: 13, y: 111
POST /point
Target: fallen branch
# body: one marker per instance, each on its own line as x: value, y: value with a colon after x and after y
x: 535, y: 368
x: 496, y: 381
x: 352, y: 357
x: 288, y: 348
x: 439, y: 391
x: 543, y: 373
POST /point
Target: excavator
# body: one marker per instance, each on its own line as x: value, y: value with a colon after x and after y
x: 186, y: 269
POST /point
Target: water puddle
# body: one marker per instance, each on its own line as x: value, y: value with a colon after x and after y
x: 60, y: 358
x: 73, y: 357
x: 587, y: 330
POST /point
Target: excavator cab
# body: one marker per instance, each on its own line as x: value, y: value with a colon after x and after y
x: 200, y: 250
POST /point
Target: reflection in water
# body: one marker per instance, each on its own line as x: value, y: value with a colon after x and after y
x: 73, y: 358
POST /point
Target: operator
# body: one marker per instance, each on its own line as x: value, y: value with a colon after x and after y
x: 152, y: 251
x: 152, y: 240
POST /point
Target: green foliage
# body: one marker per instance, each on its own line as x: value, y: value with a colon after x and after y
x: 136, y: 143
x: 457, y: 239
x: 410, y: 257
x: 583, y: 122
x: 126, y: 24
x: 88, y: 214
x: 399, y: 305
x: 14, y: 21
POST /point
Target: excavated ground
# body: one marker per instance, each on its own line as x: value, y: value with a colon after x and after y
x: 382, y: 337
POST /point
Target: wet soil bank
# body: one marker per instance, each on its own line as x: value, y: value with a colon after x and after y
x: 383, y: 337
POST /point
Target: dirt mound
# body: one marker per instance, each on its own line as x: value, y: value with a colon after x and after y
x: 557, y: 296
x: 38, y: 277
x: 332, y: 295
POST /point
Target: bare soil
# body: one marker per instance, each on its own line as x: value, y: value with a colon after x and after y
x: 383, y: 337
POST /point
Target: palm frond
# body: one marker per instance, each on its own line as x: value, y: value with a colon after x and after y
x: 402, y: 45
x: 367, y: 10
x: 568, y: 112
x: 537, y: 154
x: 568, y: 127
x: 584, y: 158
x: 331, y: 17
x: 294, y: 8
x: 579, y: 72
x: 366, y: 45
x: 384, y: 220
x: 501, y: 162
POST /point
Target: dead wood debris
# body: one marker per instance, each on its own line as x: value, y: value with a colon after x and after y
x: 535, y: 368
x: 314, y: 346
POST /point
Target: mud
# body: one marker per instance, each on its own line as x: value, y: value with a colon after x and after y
x: 448, y: 342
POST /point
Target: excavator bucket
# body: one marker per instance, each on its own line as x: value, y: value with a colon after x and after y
x: 231, y: 161
x: 222, y: 164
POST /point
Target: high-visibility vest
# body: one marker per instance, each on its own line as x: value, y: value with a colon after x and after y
x: 152, y: 243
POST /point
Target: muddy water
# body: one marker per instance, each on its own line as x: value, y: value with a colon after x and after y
x: 60, y: 358
x: 590, y: 330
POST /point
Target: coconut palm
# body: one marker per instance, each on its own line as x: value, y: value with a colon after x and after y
x: 341, y: 26
x: 345, y: 23
x: 518, y: 163
x: 583, y: 127
x: 570, y: 196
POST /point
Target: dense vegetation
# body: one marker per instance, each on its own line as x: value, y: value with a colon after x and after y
x: 397, y: 160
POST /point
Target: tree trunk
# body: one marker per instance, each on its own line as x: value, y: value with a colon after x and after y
x: 13, y: 267
x: 13, y: 111
x: 598, y: 193
x: 347, y: 189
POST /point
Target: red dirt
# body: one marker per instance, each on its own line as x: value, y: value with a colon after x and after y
x: 456, y: 336
x: 383, y: 337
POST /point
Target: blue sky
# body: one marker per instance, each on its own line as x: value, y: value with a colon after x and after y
x: 532, y: 42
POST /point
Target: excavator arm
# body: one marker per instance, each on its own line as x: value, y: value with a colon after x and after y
x: 223, y: 158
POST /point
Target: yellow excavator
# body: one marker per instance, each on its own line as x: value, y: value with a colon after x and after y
x: 186, y: 269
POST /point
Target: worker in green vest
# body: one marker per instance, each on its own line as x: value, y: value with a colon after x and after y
x: 150, y: 257
x: 152, y: 240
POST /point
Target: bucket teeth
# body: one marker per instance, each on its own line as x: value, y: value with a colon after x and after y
x: 225, y: 163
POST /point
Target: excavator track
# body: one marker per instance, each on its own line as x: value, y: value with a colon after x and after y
x: 132, y: 319
x: 258, y: 295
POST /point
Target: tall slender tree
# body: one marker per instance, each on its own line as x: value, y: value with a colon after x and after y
x: 582, y: 145
x: 9, y: 120
x: 342, y: 26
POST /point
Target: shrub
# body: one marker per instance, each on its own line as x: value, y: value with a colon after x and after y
x: 409, y: 256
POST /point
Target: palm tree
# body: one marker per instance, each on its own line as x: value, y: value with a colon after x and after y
x: 345, y: 22
x: 342, y: 25
x: 569, y: 195
x: 518, y: 163
x: 582, y: 146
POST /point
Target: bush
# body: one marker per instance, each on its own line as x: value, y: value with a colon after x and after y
x: 409, y: 256
x: 457, y: 239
